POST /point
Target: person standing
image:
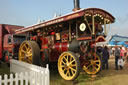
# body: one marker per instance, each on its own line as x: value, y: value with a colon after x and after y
x: 122, y: 55
x: 113, y: 51
x: 122, y: 52
x: 105, y: 54
x: 117, y: 55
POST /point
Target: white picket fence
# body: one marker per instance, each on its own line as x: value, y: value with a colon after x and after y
x: 26, y: 74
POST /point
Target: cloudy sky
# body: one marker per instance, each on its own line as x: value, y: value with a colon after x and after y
x: 28, y: 12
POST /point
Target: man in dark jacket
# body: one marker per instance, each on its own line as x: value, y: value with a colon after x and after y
x: 117, y: 55
x: 105, y: 58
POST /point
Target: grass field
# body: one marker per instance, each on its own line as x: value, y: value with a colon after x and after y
x: 4, y: 69
x: 105, y: 77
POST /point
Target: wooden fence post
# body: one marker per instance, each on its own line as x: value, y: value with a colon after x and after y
x: 11, y: 79
x: 21, y: 78
x: 5, y: 79
x: 47, y: 75
x: 26, y: 78
x: 16, y: 79
x: 31, y: 77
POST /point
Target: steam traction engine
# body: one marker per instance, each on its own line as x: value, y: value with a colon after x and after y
x: 69, y: 40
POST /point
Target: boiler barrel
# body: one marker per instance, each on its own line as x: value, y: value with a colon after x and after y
x: 61, y: 47
x: 65, y: 46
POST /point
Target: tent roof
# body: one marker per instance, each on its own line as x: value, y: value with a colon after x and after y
x: 118, y: 38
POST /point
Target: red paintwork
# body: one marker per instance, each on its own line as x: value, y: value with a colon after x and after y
x: 61, y: 47
x: 64, y: 47
x: 44, y: 43
x: 57, y: 46
x: 85, y: 38
x: 7, y: 46
x: 4, y: 30
x: 6, y: 58
x: 34, y: 38
x: 100, y: 39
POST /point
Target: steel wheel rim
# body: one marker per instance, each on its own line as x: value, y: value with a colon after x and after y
x: 67, y: 66
x: 94, y: 65
x: 25, y: 53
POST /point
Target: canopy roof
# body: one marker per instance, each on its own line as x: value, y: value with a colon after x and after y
x: 83, y: 12
x: 118, y: 38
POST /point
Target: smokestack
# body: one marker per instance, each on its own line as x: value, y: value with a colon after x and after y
x: 76, y: 5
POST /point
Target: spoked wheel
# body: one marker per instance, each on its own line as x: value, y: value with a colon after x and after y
x: 94, y: 64
x: 68, y: 65
x: 29, y: 52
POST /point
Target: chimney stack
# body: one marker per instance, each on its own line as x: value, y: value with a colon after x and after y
x: 76, y: 5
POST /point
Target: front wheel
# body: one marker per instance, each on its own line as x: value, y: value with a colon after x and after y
x: 68, y: 65
x: 93, y: 66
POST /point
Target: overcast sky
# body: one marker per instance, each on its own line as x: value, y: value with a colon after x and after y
x: 27, y: 12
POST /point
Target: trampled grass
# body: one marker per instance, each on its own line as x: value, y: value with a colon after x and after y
x: 105, y: 77
x: 4, y: 69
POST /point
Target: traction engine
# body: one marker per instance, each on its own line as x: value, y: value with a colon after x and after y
x: 68, y: 40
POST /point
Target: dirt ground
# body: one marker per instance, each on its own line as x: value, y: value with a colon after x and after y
x: 105, y: 77
x: 110, y: 76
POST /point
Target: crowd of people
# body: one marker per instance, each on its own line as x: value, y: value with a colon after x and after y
x: 119, y: 52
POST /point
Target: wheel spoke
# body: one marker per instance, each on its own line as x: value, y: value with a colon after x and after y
x: 25, y: 47
x: 72, y: 69
x: 72, y: 65
x: 63, y: 62
x: 72, y: 72
x: 95, y: 67
x: 64, y: 69
x: 67, y: 72
x: 23, y: 51
x: 30, y: 57
x: 65, y: 59
x: 63, y: 66
x: 28, y: 49
x: 71, y: 61
x: 22, y: 59
x: 89, y: 66
x: 97, y: 61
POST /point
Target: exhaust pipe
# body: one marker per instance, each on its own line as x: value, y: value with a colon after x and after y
x: 76, y: 5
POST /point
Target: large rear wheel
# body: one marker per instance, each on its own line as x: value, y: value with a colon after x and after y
x: 29, y: 52
x: 93, y: 66
x: 68, y: 65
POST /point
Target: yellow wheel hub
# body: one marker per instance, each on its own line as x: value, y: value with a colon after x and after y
x: 68, y: 66
x: 25, y: 53
x: 94, y: 64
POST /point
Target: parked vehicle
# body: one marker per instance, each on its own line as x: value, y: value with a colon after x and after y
x: 9, y: 42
